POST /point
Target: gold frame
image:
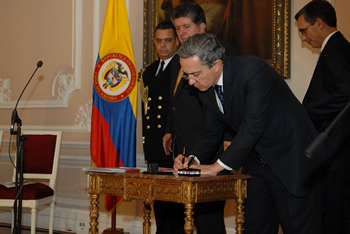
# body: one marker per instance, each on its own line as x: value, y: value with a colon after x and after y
x: 280, y: 31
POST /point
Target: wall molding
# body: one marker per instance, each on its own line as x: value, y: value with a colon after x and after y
x: 67, y: 80
x: 65, y: 128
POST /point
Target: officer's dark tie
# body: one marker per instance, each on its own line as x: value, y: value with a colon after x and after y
x: 160, y: 69
x: 218, y: 90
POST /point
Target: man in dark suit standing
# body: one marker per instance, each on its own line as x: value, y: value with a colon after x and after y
x: 155, y: 88
x: 273, y: 130
x: 327, y: 95
x: 155, y: 95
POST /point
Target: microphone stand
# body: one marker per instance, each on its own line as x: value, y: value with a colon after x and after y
x: 323, y: 136
x: 17, y: 205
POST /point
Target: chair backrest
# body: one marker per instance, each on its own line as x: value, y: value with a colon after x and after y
x: 41, y: 155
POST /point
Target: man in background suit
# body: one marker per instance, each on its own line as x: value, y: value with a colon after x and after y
x: 327, y: 95
x: 214, y: 11
x: 155, y: 88
x: 273, y: 129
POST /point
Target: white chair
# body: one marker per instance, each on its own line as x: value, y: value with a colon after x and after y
x: 41, y: 156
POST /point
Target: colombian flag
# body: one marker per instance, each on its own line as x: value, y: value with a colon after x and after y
x: 113, y: 124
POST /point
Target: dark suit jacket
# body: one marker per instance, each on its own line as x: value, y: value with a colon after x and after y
x: 328, y: 93
x: 269, y: 121
x: 154, y: 122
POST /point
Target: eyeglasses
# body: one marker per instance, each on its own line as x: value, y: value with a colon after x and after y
x: 195, y: 76
x: 303, y: 30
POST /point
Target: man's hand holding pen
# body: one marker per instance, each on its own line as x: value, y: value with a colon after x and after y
x: 188, y: 161
x: 182, y: 161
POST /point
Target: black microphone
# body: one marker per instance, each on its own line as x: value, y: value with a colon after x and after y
x: 14, y: 117
x: 40, y: 63
x: 315, y: 145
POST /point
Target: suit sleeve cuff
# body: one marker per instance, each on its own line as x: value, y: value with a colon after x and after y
x: 224, y: 166
x: 197, y: 160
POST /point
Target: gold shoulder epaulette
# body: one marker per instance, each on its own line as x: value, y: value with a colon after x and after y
x: 143, y: 90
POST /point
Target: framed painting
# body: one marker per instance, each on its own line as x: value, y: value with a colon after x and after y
x: 253, y: 27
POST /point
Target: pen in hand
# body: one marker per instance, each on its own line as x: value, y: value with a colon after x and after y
x: 191, y: 157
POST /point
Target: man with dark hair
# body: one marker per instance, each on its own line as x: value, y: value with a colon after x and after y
x: 214, y: 11
x: 155, y: 94
x: 189, y: 19
x: 155, y: 88
x: 327, y: 95
x: 273, y: 130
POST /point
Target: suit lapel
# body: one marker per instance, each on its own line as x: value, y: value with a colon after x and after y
x: 175, y: 68
x: 154, y: 83
x: 228, y: 92
x: 150, y: 73
x: 214, y: 103
x: 157, y: 83
x: 179, y: 87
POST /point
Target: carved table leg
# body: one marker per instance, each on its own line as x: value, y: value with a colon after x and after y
x: 94, y: 214
x: 189, y: 226
x: 241, y: 195
x: 240, y: 216
x: 147, y: 218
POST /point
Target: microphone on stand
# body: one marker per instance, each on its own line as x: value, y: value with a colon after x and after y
x: 17, y: 206
x: 14, y: 117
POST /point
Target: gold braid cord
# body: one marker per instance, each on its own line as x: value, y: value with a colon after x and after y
x: 143, y: 90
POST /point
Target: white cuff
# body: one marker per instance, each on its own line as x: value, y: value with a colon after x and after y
x: 224, y: 166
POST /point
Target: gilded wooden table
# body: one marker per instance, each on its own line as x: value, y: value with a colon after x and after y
x: 171, y: 188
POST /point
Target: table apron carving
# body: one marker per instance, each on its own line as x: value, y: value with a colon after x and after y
x: 171, y: 188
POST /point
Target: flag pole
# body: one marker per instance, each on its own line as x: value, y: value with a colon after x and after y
x: 113, y: 229
x: 114, y: 109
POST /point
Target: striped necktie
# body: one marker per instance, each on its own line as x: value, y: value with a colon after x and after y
x: 219, y: 92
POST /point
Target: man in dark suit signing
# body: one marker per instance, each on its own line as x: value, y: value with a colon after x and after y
x: 185, y: 119
x: 327, y: 95
x: 189, y: 19
x: 273, y: 129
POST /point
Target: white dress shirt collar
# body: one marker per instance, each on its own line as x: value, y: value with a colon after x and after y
x: 166, y: 62
x: 221, y: 80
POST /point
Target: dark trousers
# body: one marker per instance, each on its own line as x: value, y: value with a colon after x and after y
x: 269, y: 204
x: 170, y: 217
x: 208, y: 217
x: 336, y: 202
